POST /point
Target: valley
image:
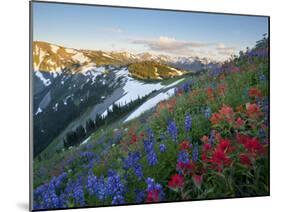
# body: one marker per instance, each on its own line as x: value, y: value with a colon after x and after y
x: 72, y: 86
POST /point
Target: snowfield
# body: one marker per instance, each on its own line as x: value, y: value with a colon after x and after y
x: 39, y: 110
x: 54, y: 48
x: 150, y: 104
x: 46, y: 82
x: 133, y: 89
x: 106, y: 55
x: 80, y: 58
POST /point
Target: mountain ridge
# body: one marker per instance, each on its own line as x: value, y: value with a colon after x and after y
x: 48, y: 57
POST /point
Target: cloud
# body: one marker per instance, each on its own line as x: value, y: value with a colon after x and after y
x: 224, y: 50
x: 168, y: 45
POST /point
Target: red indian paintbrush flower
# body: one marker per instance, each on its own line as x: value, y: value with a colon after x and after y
x: 152, y: 196
x: 226, y: 110
x: 253, y: 110
x: 224, y: 145
x: 239, y: 122
x: 210, y: 93
x: 254, y: 92
x: 185, y: 167
x: 222, y: 89
x: 220, y: 159
x: 254, y: 146
x: 216, y: 118
x: 176, y: 181
x: 207, y: 146
x: 184, y: 145
x: 197, y: 179
x: 244, y: 159
x: 242, y: 139
x: 134, y: 139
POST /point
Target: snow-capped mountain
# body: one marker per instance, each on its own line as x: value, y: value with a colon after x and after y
x: 193, y: 63
x: 54, y: 58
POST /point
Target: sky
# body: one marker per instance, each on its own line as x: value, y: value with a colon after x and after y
x: 187, y: 34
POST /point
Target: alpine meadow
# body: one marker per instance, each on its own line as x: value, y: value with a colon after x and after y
x: 134, y: 106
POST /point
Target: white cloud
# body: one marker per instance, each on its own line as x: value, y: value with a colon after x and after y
x: 169, y: 45
x: 225, y: 50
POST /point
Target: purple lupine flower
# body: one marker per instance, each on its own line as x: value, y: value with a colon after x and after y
x: 150, y: 134
x: 140, y: 196
x: 154, y: 187
x: 118, y: 200
x: 188, y: 122
x: 132, y: 162
x: 216, y: 71
x: 183, y: 157
x: 86, y: 157
x: 148, y: 145
x: 195, y: 152
x: 152, y: 158
x: 186, y: 87
x: 149, y: 149
x: 101, y: 189
x: 78, y: 193
x: 172, y: 130
x: 59, y: 180
x: 53, y: 196
x: 182, y: 161
x: 48, y: 195
x: 92, y: 184
x: 212, y: 137
x: 138, y: 171
x: 114, y: 184
x: 162, y: 148
x: 115, y: 187
x: 207, y: 113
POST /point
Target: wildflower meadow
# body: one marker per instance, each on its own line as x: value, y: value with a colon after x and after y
x: 209, y: 140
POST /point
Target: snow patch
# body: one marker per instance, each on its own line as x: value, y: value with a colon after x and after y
x: 55, y: 107
x: 66, y: 98
x: 45, y: 81
x: 85, y: 141
x: 41, y: 54
x: 174, y: 83
x: 150, y: 104
x: 105, y: 113
x: 71, y: 51
x: 39, y: 110
x: 106, y: 55
x: 80, y: 58
x: 134, y: 88
x: 54, y: 48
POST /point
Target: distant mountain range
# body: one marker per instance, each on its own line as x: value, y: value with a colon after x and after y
x: 54, y: 58
x: 70, y: 85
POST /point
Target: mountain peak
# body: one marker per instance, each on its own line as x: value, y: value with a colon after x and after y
x: 55, y: 58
